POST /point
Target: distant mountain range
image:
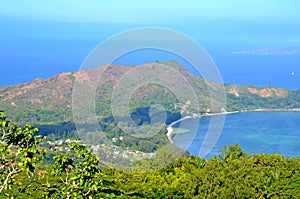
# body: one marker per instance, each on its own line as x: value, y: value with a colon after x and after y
x: 49, y: 101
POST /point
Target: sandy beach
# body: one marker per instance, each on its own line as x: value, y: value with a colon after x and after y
x: 171, y: 130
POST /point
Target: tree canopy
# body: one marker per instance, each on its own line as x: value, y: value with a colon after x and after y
x: 78, y: 173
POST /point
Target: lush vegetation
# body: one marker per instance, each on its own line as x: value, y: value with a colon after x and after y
x: 47, y: 103
x: 79, y: 173
x: 250, y: 101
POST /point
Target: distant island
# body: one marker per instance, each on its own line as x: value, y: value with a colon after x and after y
x: 268, y: 51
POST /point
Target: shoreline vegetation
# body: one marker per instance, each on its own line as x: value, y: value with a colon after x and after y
x: 170, y: 130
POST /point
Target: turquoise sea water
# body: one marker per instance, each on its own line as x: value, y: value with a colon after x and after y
x: 255, y: 132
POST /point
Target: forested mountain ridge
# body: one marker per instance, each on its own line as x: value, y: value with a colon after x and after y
x: 48, y: 101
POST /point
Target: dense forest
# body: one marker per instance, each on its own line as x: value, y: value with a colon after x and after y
x: 79, y: 173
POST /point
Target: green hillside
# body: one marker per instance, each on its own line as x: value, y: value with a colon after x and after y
x: 47, y: 103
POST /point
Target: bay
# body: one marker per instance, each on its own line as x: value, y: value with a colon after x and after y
x: 255, y: 132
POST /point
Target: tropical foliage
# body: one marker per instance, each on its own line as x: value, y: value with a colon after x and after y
x: 79, y: 174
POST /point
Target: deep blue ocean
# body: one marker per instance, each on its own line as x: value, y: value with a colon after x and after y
x: 259, y: 70
x: 255, y: 132
x: 26, y: 65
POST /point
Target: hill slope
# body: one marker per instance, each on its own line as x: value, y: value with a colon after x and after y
x: 48, y: 101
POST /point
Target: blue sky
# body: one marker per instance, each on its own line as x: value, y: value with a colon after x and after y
x: 133, y: 11
x: 255, y: 19
x: 46, y: 37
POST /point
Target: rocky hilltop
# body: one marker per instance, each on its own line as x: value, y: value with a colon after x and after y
x: 46, y: 101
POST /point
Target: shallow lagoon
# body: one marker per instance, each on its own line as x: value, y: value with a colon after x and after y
x: 255, y: 132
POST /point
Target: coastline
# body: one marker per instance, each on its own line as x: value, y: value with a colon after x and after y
x: 170, y: 129
x: 272, y: 110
